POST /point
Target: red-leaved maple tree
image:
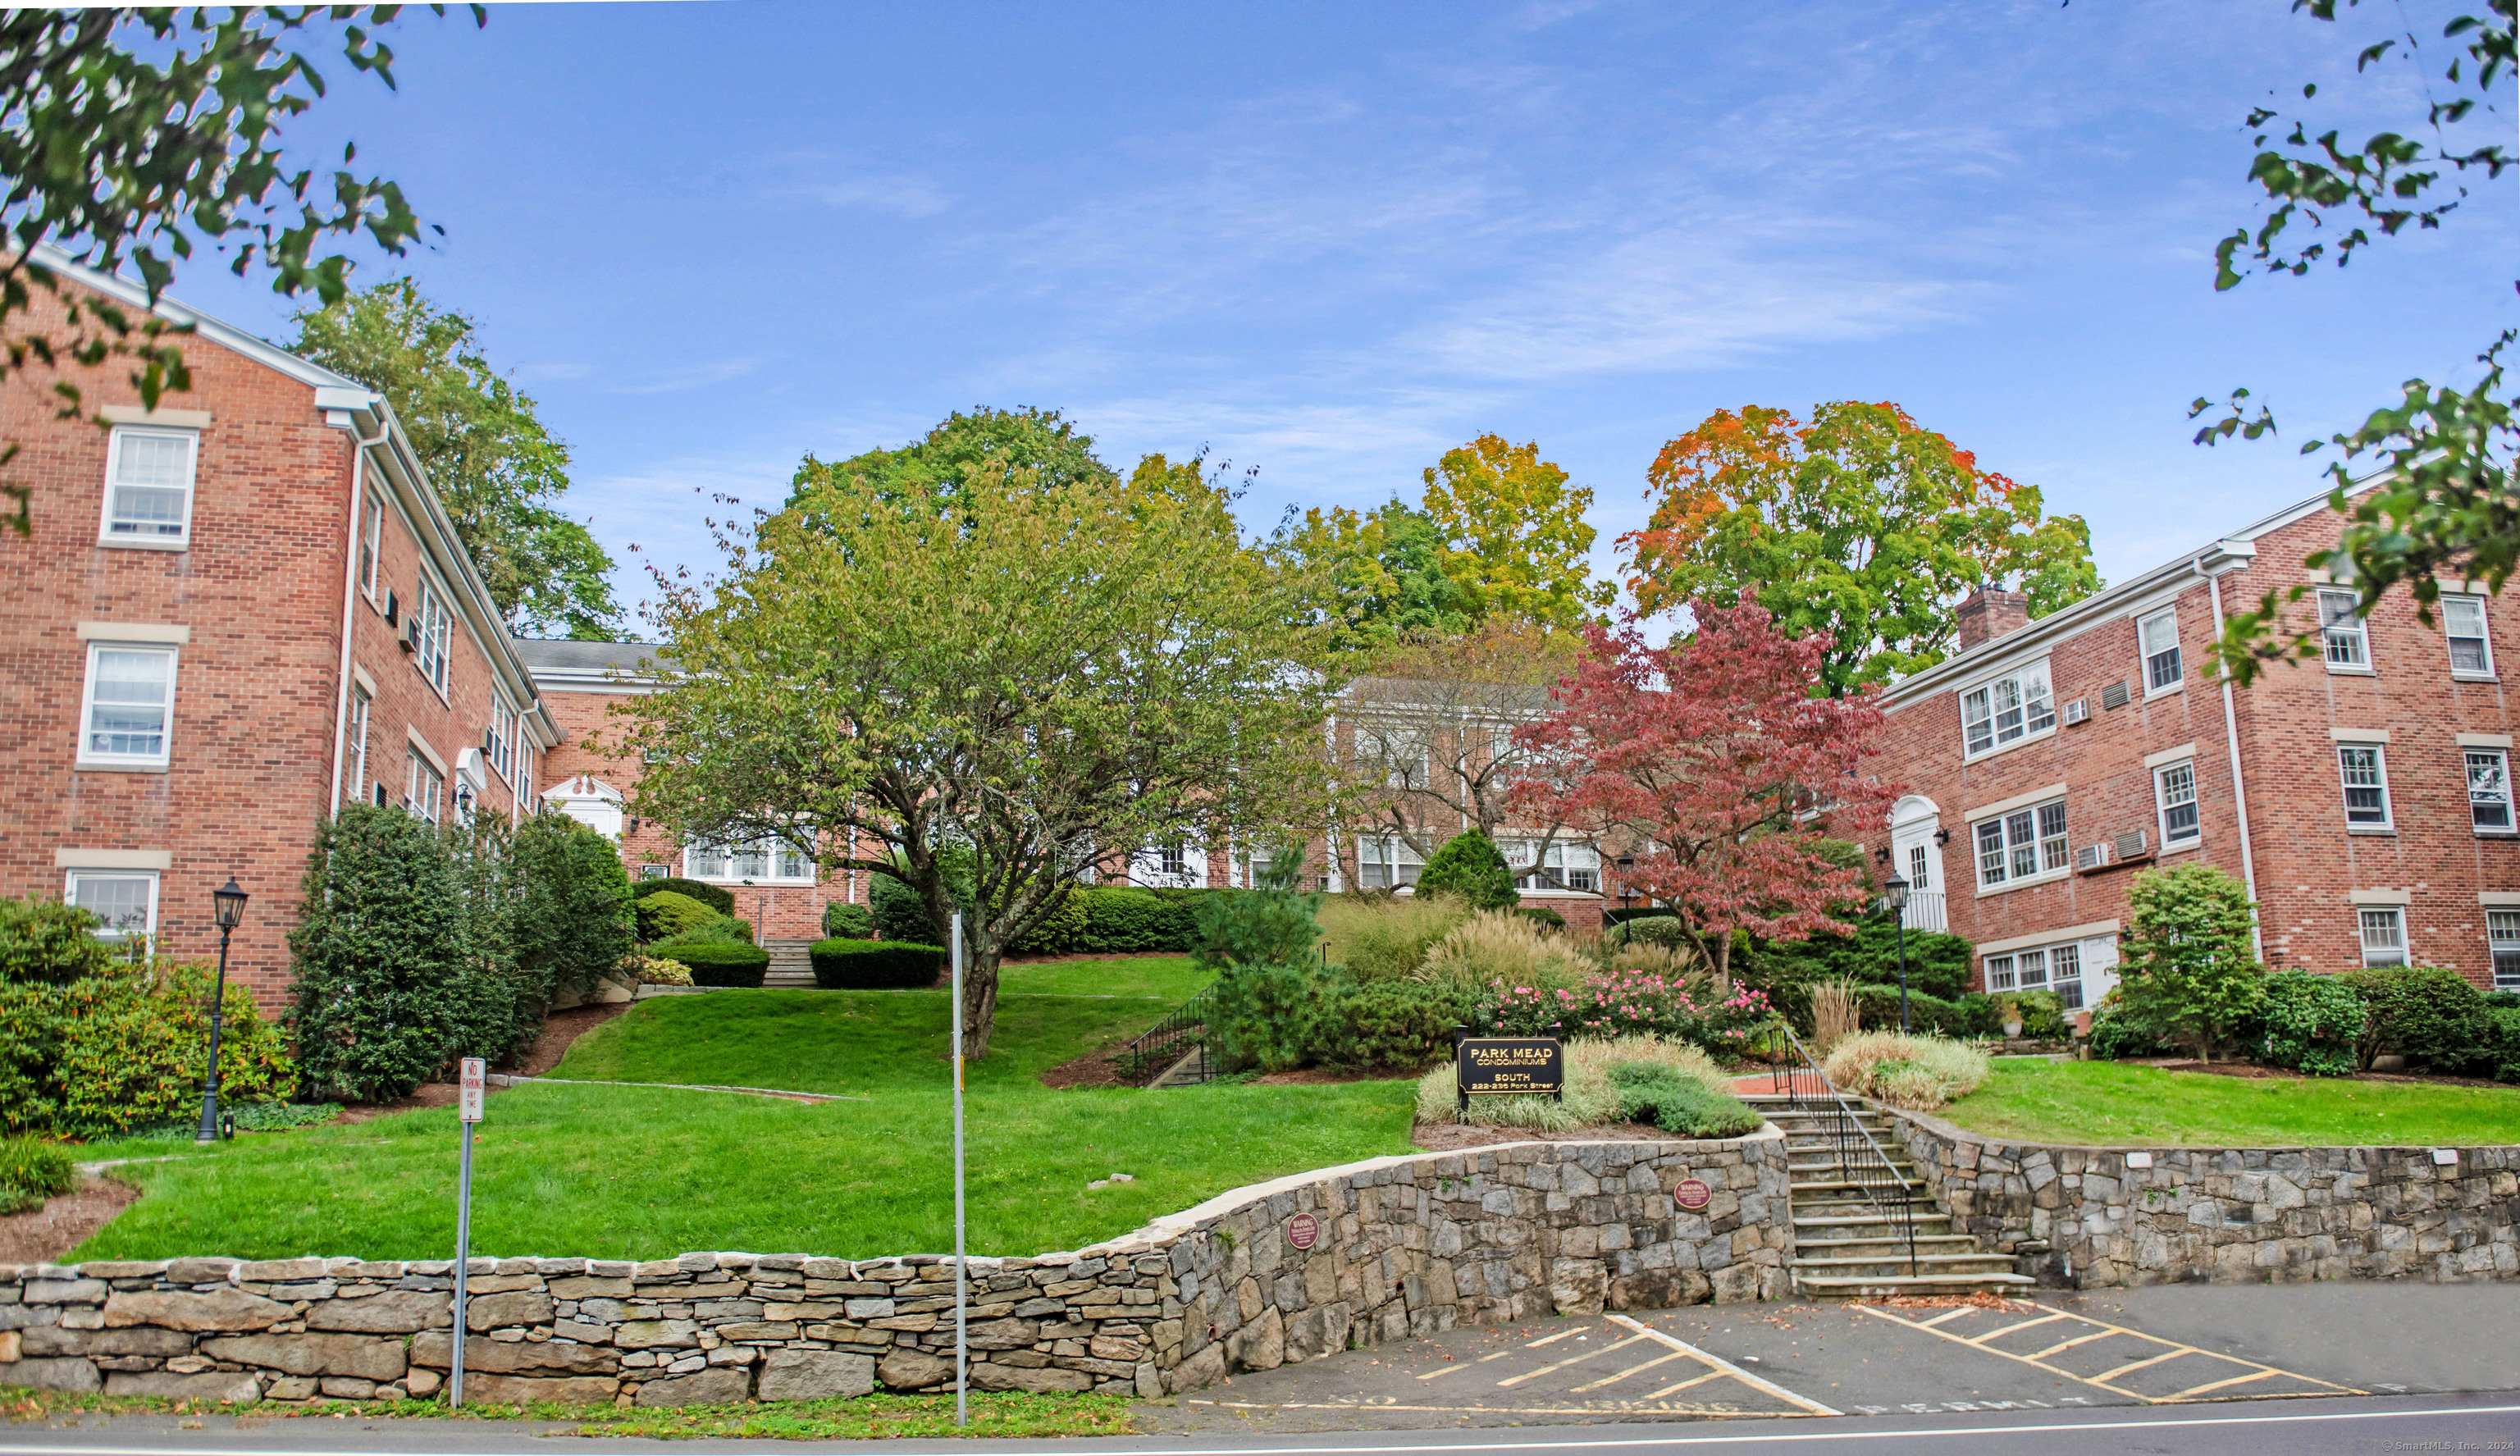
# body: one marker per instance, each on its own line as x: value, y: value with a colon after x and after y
x: 1717, y: 764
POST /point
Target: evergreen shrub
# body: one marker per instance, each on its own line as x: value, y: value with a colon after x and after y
x: 843, y: 921
x: 716, y: 896
x: 2311, y: 1023
x: 850, y: 965
x: 1469, y: 866
x: 1541, y: 915
x: 571, y: 919
x: 2425, y: 1013
x: 715, y: 965
x: 666, y: 914
x: 1676, y: 1102
x: 1397, y: 1025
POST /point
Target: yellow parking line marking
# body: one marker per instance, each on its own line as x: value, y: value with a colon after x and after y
x: 1530, y: 1375
x: 2238, y: 1379
x: 1447, y: 1370
x: 1756, y: 1382
x: 2024, y: 1325
x: 2068, y: 1344
x: 2106, y: 1376
x: 1613, y: 1379
x: 1962, y: 1312
x: 1554, y: 1339
x: 1685, y: 1385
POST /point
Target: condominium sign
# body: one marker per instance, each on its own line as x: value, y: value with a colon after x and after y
x: 1511, y: 1066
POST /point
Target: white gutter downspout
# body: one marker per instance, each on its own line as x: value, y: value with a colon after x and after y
x: 2232, y: 739
x: 349, y: 597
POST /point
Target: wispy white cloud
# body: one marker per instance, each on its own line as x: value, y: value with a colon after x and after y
x: 899, y: 194
x: 698, y: 374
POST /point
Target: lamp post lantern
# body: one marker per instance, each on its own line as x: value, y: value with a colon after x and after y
x: 1895, y: 891
x: 227, y: 908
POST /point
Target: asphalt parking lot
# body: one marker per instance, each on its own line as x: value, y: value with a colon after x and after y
x: 2175, y: 1345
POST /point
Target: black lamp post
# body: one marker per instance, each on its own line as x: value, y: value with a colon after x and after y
x: 1895, y: 891
x: 227, y: 907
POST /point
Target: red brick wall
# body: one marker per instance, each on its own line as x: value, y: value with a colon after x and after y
x: 2306, y: 861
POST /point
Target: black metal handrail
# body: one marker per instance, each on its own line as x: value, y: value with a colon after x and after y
x: 1861, y: 1161
x: 1181, y: 1031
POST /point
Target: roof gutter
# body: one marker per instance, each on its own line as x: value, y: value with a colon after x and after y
x: 339, y: 413
x: 2214, y: 563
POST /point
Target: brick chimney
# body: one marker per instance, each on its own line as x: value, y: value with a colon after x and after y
x: 1990, y: 613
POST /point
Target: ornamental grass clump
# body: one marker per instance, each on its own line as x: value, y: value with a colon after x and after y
x: 1384, y: 937
x: 1917, y: 1073
x: 1493, y: 947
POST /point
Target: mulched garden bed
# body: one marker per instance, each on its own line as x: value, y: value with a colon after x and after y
x: 41, y: 1236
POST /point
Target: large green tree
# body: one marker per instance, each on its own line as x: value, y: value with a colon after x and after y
x: 939, y: 467
x: 137, y: 135
x: 1378, y: 576
x: 496, y: 467
x: 1022, y: 676
x: 2442, y: 501
x: 1862, y: 525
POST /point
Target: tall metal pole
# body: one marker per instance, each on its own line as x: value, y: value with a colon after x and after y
x: 463, y: 1256
x: 962, y: 1336
x: 209, y: 1129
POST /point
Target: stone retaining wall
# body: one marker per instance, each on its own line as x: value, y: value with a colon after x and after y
x: 1400, y: 1247
x: 2084, y: 1216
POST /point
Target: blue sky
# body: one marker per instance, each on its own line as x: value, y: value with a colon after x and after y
x: 1331, y: 241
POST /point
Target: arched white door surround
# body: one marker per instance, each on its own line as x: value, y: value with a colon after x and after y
x: 590, y: 802
x: 1913, y: 822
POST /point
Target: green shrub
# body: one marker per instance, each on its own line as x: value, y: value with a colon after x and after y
x: 1878, y: 1006
x: 1270, y: 925
x: 721, y: 965
x: 32, y: 1170
x: 1118, y: 920
x: 1678, y: 1103
x: 125, y: 1048
x: 2311, y: 1023
x: 717, y: 929
x: 898, y: 912
x: 48, y: 942
x: 1268, y: 1017
x: 842, y: 921
x: 2190, y: 968
x: 2506, y: 1041
x: 666, y: 914
x: 2042, y: 1015
x: 1390, y: 1024
x: 876, y: 965
x: 2119, y: 1032
x: 716, y: 896
x: 1470, y: 867
x: 571, y: 916
x: 1541, y: 915
x: 2425, y: 1014
x: 1938, y: 965
x: 1653, y: 930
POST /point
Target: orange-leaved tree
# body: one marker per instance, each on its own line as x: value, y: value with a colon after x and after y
x: 1860, y: 524
x: 1716, y: 761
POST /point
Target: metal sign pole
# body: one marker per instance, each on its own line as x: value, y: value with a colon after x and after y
x: 961, y: 1344
x: 467, y: 1110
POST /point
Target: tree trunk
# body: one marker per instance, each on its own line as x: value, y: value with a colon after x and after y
x: 980, y: 1002
x: 1718, y: 959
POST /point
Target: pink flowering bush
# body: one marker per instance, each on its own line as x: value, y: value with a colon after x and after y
x: 1618, y: 1003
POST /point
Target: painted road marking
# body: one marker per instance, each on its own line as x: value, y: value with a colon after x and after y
x: 2173, y: 1350
x: 1562, y: 1364
x: 1756, y: 1382
x: 1554, y: 1339
x: 2023, y: 1325
x: 1624, y: 1374
x: 1964, y: 1313
x: 1501, y: 1354
x: 1685, y: 1385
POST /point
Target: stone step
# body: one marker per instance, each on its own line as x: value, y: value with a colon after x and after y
x: 1855, y: 1286
x: 1887, y: 1263
x: 792, y: 962
x: 1860, y: 1241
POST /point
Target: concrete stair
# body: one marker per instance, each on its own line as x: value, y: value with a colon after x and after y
x: 1845, y: 1245
x: 790, y: 966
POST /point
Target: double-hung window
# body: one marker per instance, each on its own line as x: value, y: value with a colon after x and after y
x: 2022, y: 844
x: 423, y: 790
x: 2343, y: 638
x: 354, y: 787
x: 2384, y: 936
x: 371, y: 540
x: 1564, y: 865
x: 2488, y: 790
x: 129, y: 708
x: 2471, y: 654
x: 499, y: 741
x: 770, y: 860
x: 1388, y: 862
x: 1404, y: 757
x: 2366, y: 773
x: 2174, y: 790
x: 123, y: 901
x: 2051, y: 967
x: 2007, y: 709
x: 2159, y: 634
x: 435, y: 628
x: 2503, y: 938
x: 149, y: 487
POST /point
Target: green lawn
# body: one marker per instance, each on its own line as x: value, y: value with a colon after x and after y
x: 2110, y: 1104
x: 624, y: 1172
x: 1171, y: 979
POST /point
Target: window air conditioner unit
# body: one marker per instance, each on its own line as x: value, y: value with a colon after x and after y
x: 2130, y: 843
x: 2090, y: 857
x: 409, y: 636
x: 2076, y: 711
x: 2114, y: 695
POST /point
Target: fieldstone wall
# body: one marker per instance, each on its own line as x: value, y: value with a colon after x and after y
x: 2085, y: 1216
x: 1397, y: 1247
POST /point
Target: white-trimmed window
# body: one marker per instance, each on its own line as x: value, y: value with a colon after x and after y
x: 2384, y: 936
x: 2174, y: 793
x: 148, y: 485
x: 371, y: 540
x: 354, y: 785
x: 2023, y: 845
x: 1406, y: 759
x: 2471, y: 652
x: 2503, y: 938
x: 2365, y: 769
x: 1919, y: 868
x: 2049, y: 967
x: 2488, y: 790
x: 424, y: 788
x: 2343, y: 638
x: 2010, y: 708
x: 1566, y: 866
x: 499, y: 741
x: 127, y: 714
x: 125, y: 901
x: 769, y: 860
x: 2159, y: 636
x: 1388, y: 862
x: 436, y: 629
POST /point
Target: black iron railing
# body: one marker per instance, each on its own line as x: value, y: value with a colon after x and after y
x: 1181, y: 1033
x: 1862, y: 1162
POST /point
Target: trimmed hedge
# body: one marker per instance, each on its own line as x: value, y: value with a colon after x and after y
x: 876, y: 965
x: 716, y: 897
x: 718, y: 965
x: 1119, y: 920
x: 842, y: 921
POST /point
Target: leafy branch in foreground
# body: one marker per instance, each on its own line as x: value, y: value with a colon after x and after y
x: 136, y: 135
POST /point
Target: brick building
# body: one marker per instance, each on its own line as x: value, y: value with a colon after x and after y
x: 2364, y: 798
x: 235, y: 611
